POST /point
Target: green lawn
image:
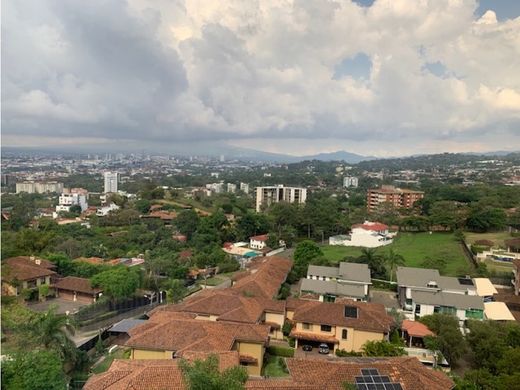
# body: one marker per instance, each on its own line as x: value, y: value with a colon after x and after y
x: 498, y: 237
x: 120, y: 353
x: 415, y: 247
x: 274, y: 367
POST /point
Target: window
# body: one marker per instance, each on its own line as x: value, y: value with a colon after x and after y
x: 344, y: 334
x: 351, y: 312
x: 326, y: 328
x: 306, y: 325
x: 417, y: 309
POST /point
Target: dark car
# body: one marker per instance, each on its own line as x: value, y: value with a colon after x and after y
x: 324, y: 349
x: 307, y: 348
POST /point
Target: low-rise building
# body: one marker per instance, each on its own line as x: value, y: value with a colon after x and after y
x: 345, y: 324
x: 349, y: 280
x: 103, y: 211
x: 39, y: 187
x: 76, y: 289
x: 25, y: 273
x: 258, y: 242
x: 168, y: 335
x: 350, y: 181
x: 266, y: 196
x: 367, y: 235
x: 424, y: 291
x: 67, y: 200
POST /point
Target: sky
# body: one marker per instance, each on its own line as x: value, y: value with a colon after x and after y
x: 382, y: 78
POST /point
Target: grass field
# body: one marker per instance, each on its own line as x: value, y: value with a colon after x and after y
x: 498, y: 237
x: 415, y: 248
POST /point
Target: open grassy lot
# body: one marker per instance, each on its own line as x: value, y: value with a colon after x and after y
x: 497, y: 237
x: 415, y: 248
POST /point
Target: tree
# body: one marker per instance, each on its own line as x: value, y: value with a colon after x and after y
x: 484, y: 219
x: 374, y: 261
x: 176, y: 291
x: 205, y: 375
x: 117, y: 282
x: 448, y: 339
x: 187, y: 222
x: 35, y: 370
x: 392, y: 261
x: 143, y: 205
x: 50, y: 330
x: 382, y: 348
x: 304, y: 253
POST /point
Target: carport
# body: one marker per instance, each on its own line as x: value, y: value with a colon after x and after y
x: 313, y: 339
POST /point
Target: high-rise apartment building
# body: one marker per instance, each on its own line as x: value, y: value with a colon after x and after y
x: 33, y: 187
x: 350, y: 181
x: 111, y: 180
x: 266, y: 196
x: 398, y: 197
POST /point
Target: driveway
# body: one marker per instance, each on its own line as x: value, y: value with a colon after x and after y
x: 63, y: 305
x: 386, y: 298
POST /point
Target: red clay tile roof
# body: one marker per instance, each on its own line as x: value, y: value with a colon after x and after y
x: 261, y: 237
x: 25, y: 268
x: 376, y: 226
x: 152, y: 374
x: 330, y: 375
x: 266, y: 279
x: 169, y: 332
x: 371, y: 316
x: 416, y: 328
x: 73, y: 283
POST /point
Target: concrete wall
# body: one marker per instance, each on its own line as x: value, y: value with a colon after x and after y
x: 254, y: 350
x: 277, y: 319
x: 150, y: 354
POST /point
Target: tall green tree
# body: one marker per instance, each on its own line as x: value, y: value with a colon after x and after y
x: 374, y: 260
x: 448, y: 339
x: 305, y: 252
x: 205, y: 375
x: 117, y: 282
x: 35, y: 370
x: 392, y: 261
x: 176, y: 291
x: 187, y: 222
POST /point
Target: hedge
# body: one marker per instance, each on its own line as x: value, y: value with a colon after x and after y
x: 276, y: 350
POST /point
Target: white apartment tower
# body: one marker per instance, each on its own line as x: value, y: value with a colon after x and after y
x: 266, y: 196
x: 111, y: 180
x: 350, y: 181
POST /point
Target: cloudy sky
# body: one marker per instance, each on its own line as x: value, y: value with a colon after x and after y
x: 383, y: 77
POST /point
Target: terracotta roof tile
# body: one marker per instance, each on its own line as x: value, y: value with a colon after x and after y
x: 170, y: 332
x: 266, y: 279
x: 370, y: 317
x: 26, y: 268
x: 73, y: 283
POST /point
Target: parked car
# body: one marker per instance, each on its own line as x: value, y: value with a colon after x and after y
x: 307, y: 348
x: 324, y: 349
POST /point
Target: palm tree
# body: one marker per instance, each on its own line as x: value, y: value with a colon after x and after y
x: 51, y: 331
x: 370, y: 257
x: 392, y: 261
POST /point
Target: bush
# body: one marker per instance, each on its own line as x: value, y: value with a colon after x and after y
x: 344, y: 353
x: 478, y: 248
x: 286, y: 329
x: 276, y: 350
x: 291, y: 342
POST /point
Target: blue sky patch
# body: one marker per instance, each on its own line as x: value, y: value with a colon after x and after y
x: 357, y: 67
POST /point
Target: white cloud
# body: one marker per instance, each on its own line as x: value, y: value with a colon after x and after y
x: 193, y: 69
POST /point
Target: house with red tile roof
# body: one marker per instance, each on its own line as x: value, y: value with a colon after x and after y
x: 345, y: 324
x: 25, y: 272
x: 258, y: 242
x: 77, y: 289
x: 396, y: 373
x: 168, y: 335
x: 367, y: 235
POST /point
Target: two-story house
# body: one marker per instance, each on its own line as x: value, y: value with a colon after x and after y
x: 25, y: 273
x: 258, y: 242
x: 367, y: 235
x: 169, y: 335
x: 345, y: 324
x: 228, y: 305
x: 349, y: 280
x: 424, y: 291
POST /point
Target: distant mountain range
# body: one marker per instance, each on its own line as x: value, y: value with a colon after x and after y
x: 229, y: 152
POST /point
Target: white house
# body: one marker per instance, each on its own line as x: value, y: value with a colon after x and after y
x: 368, y: 235
x: 258, y: 242
x: 103, y: 211
x: 67, y: 200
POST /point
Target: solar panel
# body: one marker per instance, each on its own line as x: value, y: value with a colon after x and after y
x: 370, y: 379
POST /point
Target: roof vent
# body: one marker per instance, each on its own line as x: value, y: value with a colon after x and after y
x: 351, y: 312
x: 432, y: 284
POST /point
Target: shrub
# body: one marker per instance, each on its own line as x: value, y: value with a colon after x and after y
x: 478, y: 248
x: 276, y: 350
x: 286, y: 329
x: 344, y: 353
x: 291, y: 343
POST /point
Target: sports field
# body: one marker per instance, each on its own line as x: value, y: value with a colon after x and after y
x: 415, y: 248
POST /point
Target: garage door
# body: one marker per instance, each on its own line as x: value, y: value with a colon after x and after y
x: 84, y: 298
x: 66, y: 295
